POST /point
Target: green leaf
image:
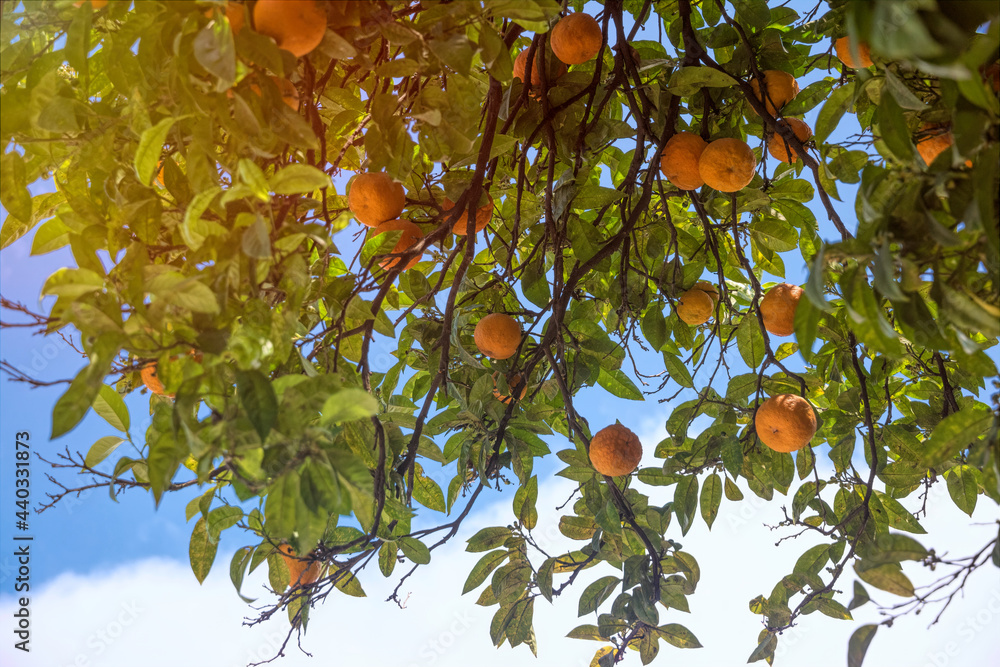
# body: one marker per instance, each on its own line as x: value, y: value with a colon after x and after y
x: 256, y: 242
x: 109, y: 405
x: 201, y: 550
x: 73, y: 405
x: 840, y: 100
x: 893, y: 548
x: 677, y: 635
x: 350, y: 585
x: 488, y: 538
x: 833, y: 609
x: 297, y: 179
x: 893, y: 130
x: 963, y: 488
x: 258, y: 400
x: 483, y: 568
x: 685, y: 501
x: 101, y: 449
x: 689, y: 80
x: 147, y: 155
x: 857, y: 646
x: 214, y: 50
x: 596, y: 593
x: 955, y: 433
x: 415, y: 550
x: 774, y: 234
x: 750, y: 341
x: 426, y: 491
x: 619, y: 384
x: 524, y: 503
x: 711, y: 498
x: 349, y: 405
x: 888, y: 577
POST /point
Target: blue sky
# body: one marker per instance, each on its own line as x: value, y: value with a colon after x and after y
x: 110, y: 581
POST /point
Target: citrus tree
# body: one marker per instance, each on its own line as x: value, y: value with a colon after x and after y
x: 540, y: 201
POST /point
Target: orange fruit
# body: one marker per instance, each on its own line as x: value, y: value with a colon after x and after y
x: 779, y: 148
x: 843, y: 48
x: 695, y: 307
x: 513, y: 380
x: 497, y: 336
x: 936, y: 140
x: 679, y: 160
x: 727, y: 165
x: 777, y: 308
x: 483, y: 216
x: 411, y: 234
x: 152, y: 381
x: 236, y: 17
x: 708, y: 288
x: 576, y: 38
x: 95, y: 4
x: 554, y: 71
x: 615, y: 451
x: 297, y: 26
x: 785, y: 423
x: 781, y: 88
x: 300, y: 572
x: 374, y: 198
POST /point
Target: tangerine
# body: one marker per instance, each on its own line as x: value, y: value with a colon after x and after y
x: 615, y: 451
x: 779, y: 148
x: 410, y: 236
x: 513, y: 380
x: 843, y: 48
x: 695, y: 307
x: 483, y: 216
x: 781, y: 88
x: 785, y: 423
x: 777, y: 308
x: 576, y: 38
x: 497, y: 336
x: 374, y: 198
x: 301, y: 572
x: 679, y: 160
x: 727, y: 165
x: 298, y: 26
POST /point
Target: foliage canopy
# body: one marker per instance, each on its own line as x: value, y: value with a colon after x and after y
x: 200, y: 209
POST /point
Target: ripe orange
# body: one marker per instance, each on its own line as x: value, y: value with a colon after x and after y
x: 727, y: 165
x: 152, y: 381
x: 554, y: 71
x: 300, y: 572
x: 781, y: 88
x: 95, y: 4
x: 779, y: 148
x: 411, y: 234
x: 374, y: 198
x: 777, y: 308
x: 843, y: 48
x: 513, y: 380
x: 695, y: 307
x: 483, y: 216
x: 785, y: 423
x: 297, y: 26
x: 615, y: 451
x: 708, y: 288
x: 497, y: 336
x: 236, y: 16
x: 936, y: 140
x: 679, y: 160
x: 576, y: 38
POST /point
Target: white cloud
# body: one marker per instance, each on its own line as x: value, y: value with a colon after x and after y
x: 154, y: 613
